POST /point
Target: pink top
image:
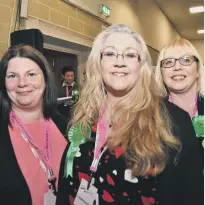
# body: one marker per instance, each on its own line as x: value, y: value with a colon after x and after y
x: 34, y: 175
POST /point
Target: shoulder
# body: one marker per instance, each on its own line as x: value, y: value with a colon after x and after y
x: 182, y: 128
x: 60, y: 121
x: 174, y: 109
x: 76, y: 86
x: 178, y: 117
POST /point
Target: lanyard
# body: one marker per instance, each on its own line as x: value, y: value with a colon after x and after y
x: 67, y: 92
x: 99, y: 144
x: 44, y: 155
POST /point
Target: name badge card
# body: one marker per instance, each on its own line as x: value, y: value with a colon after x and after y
x: 86, y: 196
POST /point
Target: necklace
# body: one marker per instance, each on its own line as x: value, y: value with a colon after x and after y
x: 110, y: 118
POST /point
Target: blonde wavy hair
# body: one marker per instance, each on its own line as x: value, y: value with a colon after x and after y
x: 144, y: 132
x: 187, y: 46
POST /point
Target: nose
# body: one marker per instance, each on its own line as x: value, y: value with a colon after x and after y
x: 177, y: 65
x: 120, y: 62
x: 23, y: 82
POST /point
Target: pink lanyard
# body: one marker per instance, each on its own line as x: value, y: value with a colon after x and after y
x: 99, y: 144
x: 44, y: 155
x: 67, y: 92
x: 195, y: 110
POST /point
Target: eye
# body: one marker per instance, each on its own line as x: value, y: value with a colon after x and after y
x: 131, y: 55
x: 31, y: 74
x: 168, y: 61
x: 109, y: 54
x: 11, y: 76
x: 187, y: 59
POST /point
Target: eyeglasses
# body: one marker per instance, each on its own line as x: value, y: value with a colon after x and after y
x: 184, y: 60
x: 128, y: 56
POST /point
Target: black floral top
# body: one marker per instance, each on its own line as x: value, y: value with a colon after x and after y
x: 113, y: 179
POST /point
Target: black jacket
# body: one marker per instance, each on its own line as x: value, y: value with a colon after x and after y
x: 200, y: 104
x: 66, y: 111
x: 178, y: 184
x: 183, y: 183
x: 13, y: 187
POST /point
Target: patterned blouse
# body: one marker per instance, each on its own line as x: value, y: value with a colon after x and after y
x: 113, y: 179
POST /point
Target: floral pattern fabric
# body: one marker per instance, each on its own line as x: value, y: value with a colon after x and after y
x: 113, y: 179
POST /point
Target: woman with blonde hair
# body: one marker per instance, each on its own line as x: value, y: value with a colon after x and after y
x: 180, y: 74
x: 126, y: 145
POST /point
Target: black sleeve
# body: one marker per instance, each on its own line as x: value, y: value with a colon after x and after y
x: 63, y: 184
x: 183, y: 183
x: 61, y: 122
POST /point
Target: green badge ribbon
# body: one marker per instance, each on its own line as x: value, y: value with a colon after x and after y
x: 76, y: 138
x: 198, y: 123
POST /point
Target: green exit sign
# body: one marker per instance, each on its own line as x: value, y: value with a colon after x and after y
x: 104, y: 10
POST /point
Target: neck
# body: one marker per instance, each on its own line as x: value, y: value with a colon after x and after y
x: 112, y: 101
x: 29, y: 116
x: 69, y: 84
x: 186, y: 101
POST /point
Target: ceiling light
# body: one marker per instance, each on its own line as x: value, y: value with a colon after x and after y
x: 200, y: 31
x: 197, y: 9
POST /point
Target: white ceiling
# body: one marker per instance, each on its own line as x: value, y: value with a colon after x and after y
x: 187, y: 24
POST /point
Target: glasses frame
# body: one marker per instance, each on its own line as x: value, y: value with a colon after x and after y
x: 121, y: 54
x: 178, y: 59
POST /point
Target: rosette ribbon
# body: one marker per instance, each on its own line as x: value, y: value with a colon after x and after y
x: 76, y: 138
x: 198, y: 123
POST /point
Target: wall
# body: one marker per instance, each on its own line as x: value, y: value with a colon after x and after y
x: 143, y: 16
x: 199, y: 45
x: 65, y: 16
x: 59, y: 19
x: 7, y: 20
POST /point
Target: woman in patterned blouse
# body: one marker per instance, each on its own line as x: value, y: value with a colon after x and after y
x: 127, y: 145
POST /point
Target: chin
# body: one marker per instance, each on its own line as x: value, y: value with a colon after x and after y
x: 25, y: 103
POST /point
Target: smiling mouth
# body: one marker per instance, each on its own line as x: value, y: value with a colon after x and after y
x: 24, y: 93
x: 119, y: 74
x: 178, y: 77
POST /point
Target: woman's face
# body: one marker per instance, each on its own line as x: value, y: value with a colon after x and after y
x: 120, y: 74
x: 180, y: 78
x: 25, y: 83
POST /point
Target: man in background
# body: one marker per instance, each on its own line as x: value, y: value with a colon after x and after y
x: 68, y: 89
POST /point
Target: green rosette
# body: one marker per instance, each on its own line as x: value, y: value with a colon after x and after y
x: 76, y: 138
x: 75, y: 95
x: 198, y: 123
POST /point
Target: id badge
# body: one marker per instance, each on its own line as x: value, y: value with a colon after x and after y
x: 49, y: 198
x: 86, y: 196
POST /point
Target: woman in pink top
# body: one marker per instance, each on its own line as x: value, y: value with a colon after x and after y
x: 31, y: 132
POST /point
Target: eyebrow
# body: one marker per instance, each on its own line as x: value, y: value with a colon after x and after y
x: 127, y: 48
x: 185, y: 54
x: 17, y: 73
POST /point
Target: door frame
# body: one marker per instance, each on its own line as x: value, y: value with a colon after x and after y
x: 69, y: 51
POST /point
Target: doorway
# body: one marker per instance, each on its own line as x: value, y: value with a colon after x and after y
x: 57, y: 60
